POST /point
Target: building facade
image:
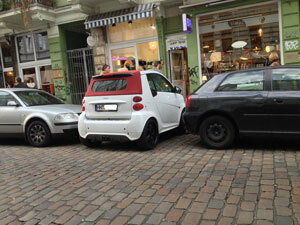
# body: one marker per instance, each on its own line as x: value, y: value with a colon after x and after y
x: 61, y: 44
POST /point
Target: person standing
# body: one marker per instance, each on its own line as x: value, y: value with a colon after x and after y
x: 157, y: 66
x: 19, y: 83
x: 105, y: 69
x: 274, y: 59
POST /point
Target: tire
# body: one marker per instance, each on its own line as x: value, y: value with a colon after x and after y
x: 149, y: 137
x: 181, y: 129
x: 38, y: 134
x: 217, y: 132
x: 89, y: 142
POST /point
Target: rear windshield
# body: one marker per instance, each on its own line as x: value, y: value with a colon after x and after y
x: 109, y: 85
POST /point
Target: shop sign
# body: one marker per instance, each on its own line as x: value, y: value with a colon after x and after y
x: 236, y: 23
x: 174, y: 44
x: 187, y: 23
x: 114, y: 58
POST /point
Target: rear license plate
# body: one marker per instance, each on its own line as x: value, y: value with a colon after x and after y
x: 106, y: 107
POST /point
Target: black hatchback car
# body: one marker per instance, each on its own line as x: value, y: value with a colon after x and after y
x: 258, y: 101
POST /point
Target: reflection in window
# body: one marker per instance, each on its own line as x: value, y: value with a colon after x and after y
x: 6, y: 53
x: 248, y: 81
x: 286, y: 80
x: 41, y: 45
x: 25, y: 47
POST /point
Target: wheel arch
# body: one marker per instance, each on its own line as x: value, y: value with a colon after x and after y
x: 218, y: 113
x: 35, y: 118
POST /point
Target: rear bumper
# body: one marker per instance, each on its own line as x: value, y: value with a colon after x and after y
x: 192, y: 122
x: 112, y: 129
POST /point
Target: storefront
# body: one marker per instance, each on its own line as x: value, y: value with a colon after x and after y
x: 130, y: 37
x: 34, y: 61
x: 132, y: 45
x: 237, y: 39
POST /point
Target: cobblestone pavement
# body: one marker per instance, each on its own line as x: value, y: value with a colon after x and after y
x: 180, y: 182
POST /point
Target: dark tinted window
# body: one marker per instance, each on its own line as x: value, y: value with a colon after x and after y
x: 32, y: 98
x: 5, y: 98
x: 160, y: 83
x: 109, y: 85
x: 245, y: 81
x: 286, y: 79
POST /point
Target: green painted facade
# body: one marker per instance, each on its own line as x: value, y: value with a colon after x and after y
x: 58, y: 50
x: 290, y: 31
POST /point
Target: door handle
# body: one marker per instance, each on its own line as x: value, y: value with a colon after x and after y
x: 279, y: 101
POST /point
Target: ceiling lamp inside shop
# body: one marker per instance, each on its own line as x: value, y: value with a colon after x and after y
x: 238, y: 44
x: 260, y: 32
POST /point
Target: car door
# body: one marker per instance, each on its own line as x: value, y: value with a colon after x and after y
x: 284, y: 100
x: 10, y: 116
x: 166, y: 100
x: 243, y: 95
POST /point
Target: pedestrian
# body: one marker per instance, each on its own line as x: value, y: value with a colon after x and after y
x: 30, y: 82
x: 274, y: 59
x: 19, y: 83
x: 105, y: 69
x: 124, y: 67
x: 157, y: 66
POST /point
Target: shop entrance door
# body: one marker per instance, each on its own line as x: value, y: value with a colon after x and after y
x: 178, y: 69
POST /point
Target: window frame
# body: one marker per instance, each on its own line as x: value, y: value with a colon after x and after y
x: 265, y: 80
x: 9, y: 94
x: 271, y: 78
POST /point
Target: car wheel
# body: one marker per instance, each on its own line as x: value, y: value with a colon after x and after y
x: 217, y: 132
x: 91, y: 143
x: 38, y: 134
x: 149, y: 138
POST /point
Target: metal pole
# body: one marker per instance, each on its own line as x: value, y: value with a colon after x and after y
x: 85, y: 70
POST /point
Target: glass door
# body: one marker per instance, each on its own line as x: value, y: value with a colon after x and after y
x: 123, y: 59
x: 30, y: 77
x: 47, y: 78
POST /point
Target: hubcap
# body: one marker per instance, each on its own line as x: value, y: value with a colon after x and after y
x: 216, y: 132
x: 37, y: 134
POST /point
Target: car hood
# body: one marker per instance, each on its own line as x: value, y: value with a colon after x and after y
x: 58, y: 108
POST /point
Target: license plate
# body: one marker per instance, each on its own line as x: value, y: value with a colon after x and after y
x: 106, y: 107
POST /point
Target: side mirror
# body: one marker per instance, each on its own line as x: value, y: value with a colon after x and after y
x: 12, y: 103
x: 177, y: 90
x: 154, y: 92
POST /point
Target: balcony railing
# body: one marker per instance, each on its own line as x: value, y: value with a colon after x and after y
x: 13, y: 4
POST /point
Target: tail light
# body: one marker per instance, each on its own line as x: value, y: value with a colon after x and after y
x: 83, y: 106
x: 137, y: 107
x: 188, y: 101
x: 137, y: 99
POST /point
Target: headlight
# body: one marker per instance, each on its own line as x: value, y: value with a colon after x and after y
x: 66, y: 117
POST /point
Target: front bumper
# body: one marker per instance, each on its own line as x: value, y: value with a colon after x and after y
x: 112, y: 129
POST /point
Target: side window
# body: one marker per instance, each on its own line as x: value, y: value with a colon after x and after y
x: 151, y: 82
x: 5, y: 98
x: 287, y: 79
x: 160, y: 83
x: 246, y: 81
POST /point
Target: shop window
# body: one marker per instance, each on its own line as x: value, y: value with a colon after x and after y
x: 123, y: 59
x: 238, y: 39
x: 148, y: 53
x: 41, y: 46
x: 6, y: 54
x: 25, y: 48
x: 286, y: 80
x: 30, y: 77
x: 136, y: 29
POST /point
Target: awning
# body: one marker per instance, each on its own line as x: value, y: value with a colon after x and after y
x: 119, y: 16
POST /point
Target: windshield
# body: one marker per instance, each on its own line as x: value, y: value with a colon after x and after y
x: 32, y: 98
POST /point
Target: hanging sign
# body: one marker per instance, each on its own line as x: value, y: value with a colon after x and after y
x: 187, y: 23
x: 175, y: 42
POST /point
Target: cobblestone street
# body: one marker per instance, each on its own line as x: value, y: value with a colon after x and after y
x: 180, y: 182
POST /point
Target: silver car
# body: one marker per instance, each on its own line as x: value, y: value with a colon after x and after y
x: 36, y: 115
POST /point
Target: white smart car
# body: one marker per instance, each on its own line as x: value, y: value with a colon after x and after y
x: 131, y: 105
